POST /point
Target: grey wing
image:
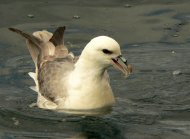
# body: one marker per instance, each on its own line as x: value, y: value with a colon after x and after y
x: 51, y: 78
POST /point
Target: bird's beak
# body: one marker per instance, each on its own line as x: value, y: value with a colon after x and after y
x: 121, y: 63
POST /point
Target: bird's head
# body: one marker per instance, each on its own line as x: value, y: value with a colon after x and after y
x: 105, y: 52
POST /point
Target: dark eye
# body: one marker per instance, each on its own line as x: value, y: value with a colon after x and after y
x: 106, y: 51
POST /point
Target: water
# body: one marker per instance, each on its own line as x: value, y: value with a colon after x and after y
x: 151, y: 103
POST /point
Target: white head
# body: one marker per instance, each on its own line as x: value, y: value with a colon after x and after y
x: 104, y: 51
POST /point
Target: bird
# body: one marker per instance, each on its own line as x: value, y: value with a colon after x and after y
x: 64, y: 81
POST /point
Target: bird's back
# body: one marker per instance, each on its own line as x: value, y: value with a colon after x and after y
x: 53, y: 62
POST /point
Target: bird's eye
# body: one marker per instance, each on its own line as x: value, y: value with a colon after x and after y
x: 106, y: 51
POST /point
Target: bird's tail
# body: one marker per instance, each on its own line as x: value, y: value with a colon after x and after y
x: 43, y: 44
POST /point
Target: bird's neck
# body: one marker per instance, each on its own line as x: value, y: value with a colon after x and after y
x: 85, y: 67
x: 89, y: 68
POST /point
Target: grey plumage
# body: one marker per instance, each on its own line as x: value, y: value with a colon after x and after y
x: 50, y: 58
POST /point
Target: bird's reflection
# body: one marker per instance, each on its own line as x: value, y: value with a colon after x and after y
x: 93, y: 124
x: 93, y: 112
x: 91, y: 127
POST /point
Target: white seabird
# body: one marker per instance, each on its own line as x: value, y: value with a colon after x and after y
x: 73, y: 83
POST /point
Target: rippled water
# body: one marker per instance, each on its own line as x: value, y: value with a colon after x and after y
x: 152, y: 103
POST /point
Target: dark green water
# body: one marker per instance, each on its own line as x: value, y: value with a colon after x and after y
x: 152, y: 103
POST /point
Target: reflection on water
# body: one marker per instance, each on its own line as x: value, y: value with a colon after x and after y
x: 93, y: 112
x: 151, y: 103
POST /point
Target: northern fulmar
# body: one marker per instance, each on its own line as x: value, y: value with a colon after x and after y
x: 64, y: 81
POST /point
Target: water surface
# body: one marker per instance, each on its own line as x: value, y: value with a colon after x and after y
x: 151, y: 103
